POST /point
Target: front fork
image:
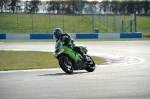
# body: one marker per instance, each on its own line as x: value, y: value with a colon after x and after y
x: 66, y: 60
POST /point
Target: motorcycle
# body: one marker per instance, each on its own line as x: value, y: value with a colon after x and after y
x: 70, y: 60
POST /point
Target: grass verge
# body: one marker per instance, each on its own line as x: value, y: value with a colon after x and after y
x: 23, y: 60
x: 45, y: 23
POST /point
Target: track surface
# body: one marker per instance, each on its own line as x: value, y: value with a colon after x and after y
x: 129, y: 79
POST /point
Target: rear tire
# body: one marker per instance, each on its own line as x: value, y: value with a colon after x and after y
x: 65, y: 67
x: 90, y: 66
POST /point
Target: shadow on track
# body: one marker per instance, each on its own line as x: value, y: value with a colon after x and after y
x: 61, y: 74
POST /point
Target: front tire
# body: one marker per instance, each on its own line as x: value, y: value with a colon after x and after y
x: 91, y: 65
x: 65, y: 67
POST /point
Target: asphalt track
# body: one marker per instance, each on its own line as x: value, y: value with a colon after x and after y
x: 126, y: 76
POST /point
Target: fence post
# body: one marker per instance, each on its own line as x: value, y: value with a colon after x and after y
x: 63, y: 17
x: 107, y: 20
x: 49, y: 22
x: 32, y: 7
x: 130, y: 25
x: 17, y: 22
x: 17, y: 17
x: 49, y: 19
x: 92, y: 19
x: 63, y: 21
x: 32, y: 24
x: 135, y: 21
x: 122, y: 25
x: 114, y: 23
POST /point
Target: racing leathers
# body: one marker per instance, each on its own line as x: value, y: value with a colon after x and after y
x: 68, y: 41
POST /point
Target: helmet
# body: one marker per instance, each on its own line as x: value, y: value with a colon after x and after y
x: 57, y: 33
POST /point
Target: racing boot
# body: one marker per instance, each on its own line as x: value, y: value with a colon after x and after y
x: 85, y: 57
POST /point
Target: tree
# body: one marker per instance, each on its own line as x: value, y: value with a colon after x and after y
x: 69, y: 7
x: 2, y: 2
x: 105, y: 5
x: 13, y: 5
x: 52, y: 6
x: 145, y: 5
x: 34, y: 6
x: 131, y: 7
x: 93, y: 6
x: 58, y: 3
x: 26, y: 9
x: 138, y: 6
x: 123, y: 6
x: 114, y: 6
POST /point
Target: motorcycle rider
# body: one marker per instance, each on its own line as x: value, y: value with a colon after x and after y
x: 67, y: 41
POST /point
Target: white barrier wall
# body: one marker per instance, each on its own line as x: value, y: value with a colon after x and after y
x: 109, y: 35
x: 18, y: 36
x: 75, y: 36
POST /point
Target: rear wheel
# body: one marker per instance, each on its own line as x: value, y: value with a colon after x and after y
x: 91, y: 65
x: 66, y: 66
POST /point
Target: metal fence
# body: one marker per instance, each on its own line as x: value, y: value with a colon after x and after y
x: 85, y: 19
x: 83, y: 23
x: 114, y: 23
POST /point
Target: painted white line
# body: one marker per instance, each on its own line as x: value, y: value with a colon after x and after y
x: 118, y: 60
x: 1, y: 72
x: 30, y: 70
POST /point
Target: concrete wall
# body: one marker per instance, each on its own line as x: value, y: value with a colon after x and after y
x: 18, y: 36
x: 75, y: 36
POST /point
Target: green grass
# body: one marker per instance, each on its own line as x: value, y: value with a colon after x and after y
x: 143, y: 23
x: 22, y: 60
x: 45, y: 23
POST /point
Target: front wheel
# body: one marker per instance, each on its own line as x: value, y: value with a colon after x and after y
x: 66, y: 66
x: 91, y: 65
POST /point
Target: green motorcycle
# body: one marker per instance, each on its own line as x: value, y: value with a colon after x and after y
x: 70, y: 60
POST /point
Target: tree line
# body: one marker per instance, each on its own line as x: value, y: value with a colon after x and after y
x: 76, y: 6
